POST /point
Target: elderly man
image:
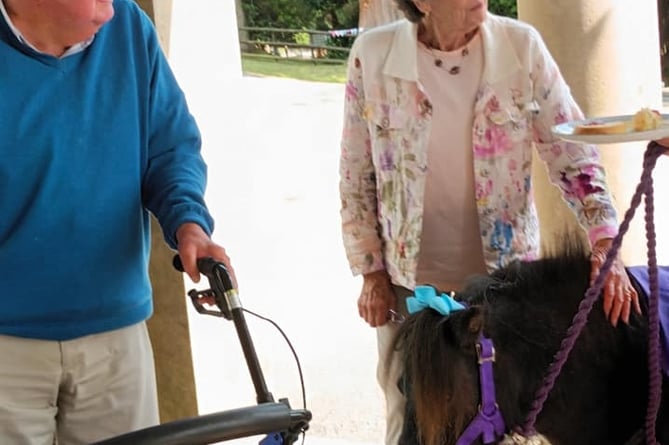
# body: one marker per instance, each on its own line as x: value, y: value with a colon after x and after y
x: 95, y: 135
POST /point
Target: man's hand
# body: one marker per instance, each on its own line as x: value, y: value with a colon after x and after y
x: 376, y: 298
x: 619, y: 294
x: 194, y: 243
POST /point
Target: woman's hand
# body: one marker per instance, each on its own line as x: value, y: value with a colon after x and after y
x: 619, y: 294
x: 376, y: 298
x: 665, y: 143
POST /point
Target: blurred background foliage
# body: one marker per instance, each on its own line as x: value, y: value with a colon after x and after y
x: 324, y: 14
x: 330, y: 15
x: 301, y: 14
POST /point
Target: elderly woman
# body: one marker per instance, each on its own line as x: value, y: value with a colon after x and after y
x: 442, y: 112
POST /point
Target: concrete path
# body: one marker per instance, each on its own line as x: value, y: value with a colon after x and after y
x: 272, y: 146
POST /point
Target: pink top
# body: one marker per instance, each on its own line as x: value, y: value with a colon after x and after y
x: 450, y: 248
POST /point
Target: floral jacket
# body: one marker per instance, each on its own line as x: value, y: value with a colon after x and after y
x: 387, y: 120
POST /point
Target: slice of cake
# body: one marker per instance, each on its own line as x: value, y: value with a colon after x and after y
x: 601, y: 127
x: 646, y: 119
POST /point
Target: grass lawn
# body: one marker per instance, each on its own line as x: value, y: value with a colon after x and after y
x: 256, y: 65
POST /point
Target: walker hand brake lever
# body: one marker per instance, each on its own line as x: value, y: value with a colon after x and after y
x: 222, y: 292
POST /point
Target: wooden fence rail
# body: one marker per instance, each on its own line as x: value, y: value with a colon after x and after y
x: 291, y: 43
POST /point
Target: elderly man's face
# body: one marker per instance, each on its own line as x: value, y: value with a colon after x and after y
x: 81, y: 17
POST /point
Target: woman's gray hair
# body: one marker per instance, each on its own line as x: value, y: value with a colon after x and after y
x: 408, y: 7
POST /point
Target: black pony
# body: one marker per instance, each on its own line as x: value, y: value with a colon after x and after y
x: 601, y: 394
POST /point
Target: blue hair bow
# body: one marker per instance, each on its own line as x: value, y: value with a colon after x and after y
x: 426, y: 296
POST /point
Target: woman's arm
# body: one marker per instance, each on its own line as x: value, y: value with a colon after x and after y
x: 574, y: 168
x: 357, y: 183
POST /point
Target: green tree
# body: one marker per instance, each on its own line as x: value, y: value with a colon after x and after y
x: 327, y: 14
x: 301, y: 14
x: 335, y: 14
x: 507, y: 8
x: 277, y: 13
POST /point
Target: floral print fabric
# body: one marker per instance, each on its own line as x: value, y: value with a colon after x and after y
x: 387, y: 121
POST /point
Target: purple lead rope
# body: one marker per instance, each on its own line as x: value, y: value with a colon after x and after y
x: 654, y: 366
x: 645, y: 186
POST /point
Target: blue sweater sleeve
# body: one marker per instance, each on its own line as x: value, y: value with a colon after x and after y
x: 174, y: 181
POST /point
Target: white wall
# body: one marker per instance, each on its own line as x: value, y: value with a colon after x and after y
x: 204, y: 47
x: 205, y: 56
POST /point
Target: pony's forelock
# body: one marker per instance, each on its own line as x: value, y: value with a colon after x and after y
x: 434, y: 366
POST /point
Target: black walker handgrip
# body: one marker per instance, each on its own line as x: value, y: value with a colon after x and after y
x: 210, y: 268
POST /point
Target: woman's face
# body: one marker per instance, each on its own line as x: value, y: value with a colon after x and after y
x: 455, y: 15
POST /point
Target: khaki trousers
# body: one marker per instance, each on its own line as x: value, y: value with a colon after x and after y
x: 77, y: 391
x: 389, y: 370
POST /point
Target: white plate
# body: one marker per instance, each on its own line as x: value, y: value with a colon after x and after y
x: 566, y: 131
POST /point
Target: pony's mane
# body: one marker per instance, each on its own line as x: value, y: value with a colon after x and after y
x: 566, y: 260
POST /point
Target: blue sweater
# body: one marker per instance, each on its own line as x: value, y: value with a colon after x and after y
x: 90, y: 145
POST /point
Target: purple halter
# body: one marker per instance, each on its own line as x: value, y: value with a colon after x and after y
x: 488, y: 423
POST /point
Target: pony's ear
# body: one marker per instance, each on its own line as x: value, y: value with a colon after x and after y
x: 467, y: 326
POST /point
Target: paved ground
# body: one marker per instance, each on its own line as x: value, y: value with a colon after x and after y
x: 272, y: 148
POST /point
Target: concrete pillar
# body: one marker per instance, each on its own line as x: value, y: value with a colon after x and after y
x: 168, y: 327
x: 608, y: 51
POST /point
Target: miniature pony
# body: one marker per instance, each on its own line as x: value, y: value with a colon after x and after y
x: 525, y: 309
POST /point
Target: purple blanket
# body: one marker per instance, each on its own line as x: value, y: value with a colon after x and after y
x: 640, y: 273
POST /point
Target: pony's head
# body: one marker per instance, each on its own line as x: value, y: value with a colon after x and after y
x: 439, y: 355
